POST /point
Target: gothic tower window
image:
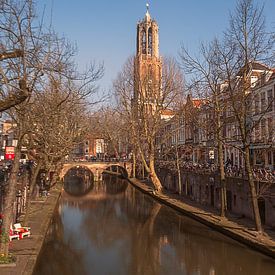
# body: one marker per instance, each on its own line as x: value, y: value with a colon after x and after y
x: 150, y: 44
x: 150, y: 82
x: 143, y: 42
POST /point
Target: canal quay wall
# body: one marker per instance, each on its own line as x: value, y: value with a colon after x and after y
x: 27, y: 250
x: 204, y: 188
x: 241, y: 230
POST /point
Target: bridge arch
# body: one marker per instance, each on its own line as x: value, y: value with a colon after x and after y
x: 78, y: 180
x: 97, y: 168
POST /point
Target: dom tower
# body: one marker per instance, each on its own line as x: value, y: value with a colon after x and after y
x: 148, y: 66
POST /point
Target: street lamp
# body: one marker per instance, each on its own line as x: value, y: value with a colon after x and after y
x: 2, y: 193
x: 18, y: 204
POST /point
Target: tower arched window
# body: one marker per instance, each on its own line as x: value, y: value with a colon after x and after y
x: 150, y: 82
x: 150, y: 43
x: 143, y: 42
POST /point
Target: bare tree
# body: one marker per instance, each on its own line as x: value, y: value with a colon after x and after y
x: 144, y: 111
x: 108, y: 124
x: 18, y: 31
x: 246, y: 41
x: 46, y: 63
x: 58, y: 112
x: 226, y: 68
x: 207, y: 76
x: 20, y: 45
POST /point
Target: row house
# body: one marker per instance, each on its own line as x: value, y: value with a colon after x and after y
x: 92, y: 147
x: 180, y: 131
x: 194, y: 149
x: 192, y: 130
x: 263, y: 139
x: 165, y: 138
x: 99, y: 147
x: 259, y: 120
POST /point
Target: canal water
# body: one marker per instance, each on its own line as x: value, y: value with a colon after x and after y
x: 116, y: 229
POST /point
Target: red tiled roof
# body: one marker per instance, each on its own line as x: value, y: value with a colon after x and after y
x: 197, y: 102
x: 167, y: 112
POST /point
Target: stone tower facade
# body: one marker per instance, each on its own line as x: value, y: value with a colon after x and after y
x: 148, y: 65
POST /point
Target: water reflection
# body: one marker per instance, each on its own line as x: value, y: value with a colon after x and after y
x: 78, y: 181
x: 114, y: 185
x: 119, y: 169
x: 126, y: 232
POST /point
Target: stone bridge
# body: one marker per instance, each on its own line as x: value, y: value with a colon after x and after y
x: 97, y: 168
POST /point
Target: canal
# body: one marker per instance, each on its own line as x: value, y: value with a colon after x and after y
x: 116, y: 229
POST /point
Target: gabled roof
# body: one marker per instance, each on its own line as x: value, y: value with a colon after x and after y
x: 167, y: 112
x: 195, y: 102
x: 256, y: 66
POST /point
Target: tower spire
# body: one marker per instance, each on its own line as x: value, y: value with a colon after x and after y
x: 147, y: 7
x: 147, y: 15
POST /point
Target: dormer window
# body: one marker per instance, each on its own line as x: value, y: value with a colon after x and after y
x: 254, y: 80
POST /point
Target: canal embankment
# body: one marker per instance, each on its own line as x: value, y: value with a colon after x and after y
x: 242, y: 230
x: 239, y: 229
x: 27, y: 250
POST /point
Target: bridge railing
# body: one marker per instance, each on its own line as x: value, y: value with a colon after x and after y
x: 107, y: 160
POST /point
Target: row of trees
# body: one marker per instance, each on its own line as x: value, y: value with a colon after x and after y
x: 226, y: 60
x: 43, y: 93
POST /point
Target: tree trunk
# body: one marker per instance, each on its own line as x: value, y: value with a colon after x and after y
x: 143, y: 171
x: 178, y: 170
x: 134, y: 165
x: 218, y: 113
x: 53, y: 174
x: 10, y: 55
x: 186, y: 186
x: 30, y: 193
x: 153, y: 175
x: 16, y: 98
x: 254, y: 199
x: 8, y: 212
x: 177, y: 159
x: 222, y: 179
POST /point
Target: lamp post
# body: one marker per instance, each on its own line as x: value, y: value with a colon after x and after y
x: 2, y: 192
x: 18, y: 204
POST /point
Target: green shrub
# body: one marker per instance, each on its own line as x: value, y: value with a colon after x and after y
x: 7, y: 259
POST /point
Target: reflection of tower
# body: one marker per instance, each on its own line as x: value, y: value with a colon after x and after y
x: 147, y: 75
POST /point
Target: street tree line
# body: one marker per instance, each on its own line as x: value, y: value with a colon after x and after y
x: 223, y: 74
x: 43, y: 94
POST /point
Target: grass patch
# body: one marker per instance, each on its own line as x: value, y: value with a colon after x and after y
x: 7, y: 259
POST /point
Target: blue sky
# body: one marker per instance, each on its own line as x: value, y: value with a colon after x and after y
x: 105, y: 31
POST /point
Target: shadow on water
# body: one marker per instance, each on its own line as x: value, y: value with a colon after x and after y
x: 114, y: 185
x: 118, y: 169
x: 115, y: 229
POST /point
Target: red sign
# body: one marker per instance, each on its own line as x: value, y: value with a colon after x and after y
x: 9, y: 153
